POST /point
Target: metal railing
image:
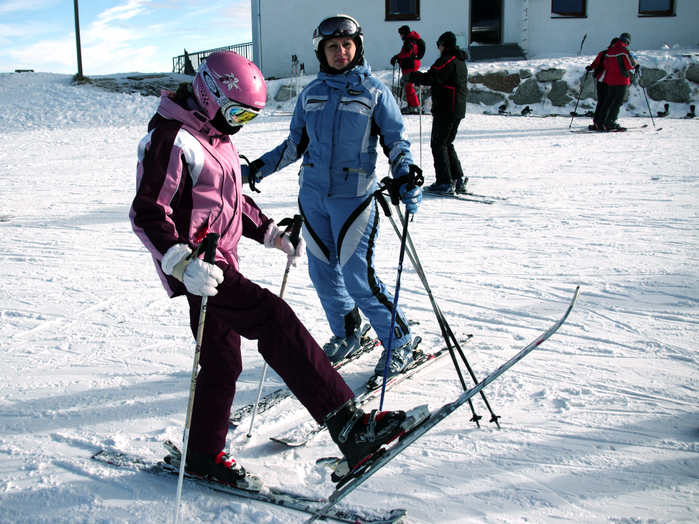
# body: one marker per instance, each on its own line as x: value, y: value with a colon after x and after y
x: 189, y: 62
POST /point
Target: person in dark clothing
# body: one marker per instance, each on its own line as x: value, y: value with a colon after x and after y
x: 618, y: 65
x: 408, y: 62
x: 597, y: 67
x: 448, y: 78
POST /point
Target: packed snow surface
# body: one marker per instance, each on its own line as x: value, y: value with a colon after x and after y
x: 600, y: 424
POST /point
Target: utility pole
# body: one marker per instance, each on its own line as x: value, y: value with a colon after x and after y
x: 77, y: 41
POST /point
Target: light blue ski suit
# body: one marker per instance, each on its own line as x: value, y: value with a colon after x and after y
x: 336, y: 125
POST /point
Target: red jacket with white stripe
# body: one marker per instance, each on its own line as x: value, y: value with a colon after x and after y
x: 618, y: 65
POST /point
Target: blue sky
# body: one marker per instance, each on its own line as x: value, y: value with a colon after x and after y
x: 117, y: 36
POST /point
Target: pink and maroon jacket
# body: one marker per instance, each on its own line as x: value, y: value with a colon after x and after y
x: 189, y: 184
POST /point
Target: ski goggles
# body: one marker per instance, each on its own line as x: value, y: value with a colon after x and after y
x: 337, y: 26
x: 237, y: 115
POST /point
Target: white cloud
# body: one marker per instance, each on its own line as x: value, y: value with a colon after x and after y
x: 19, y: 6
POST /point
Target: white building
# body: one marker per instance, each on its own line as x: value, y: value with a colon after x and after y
x: 541, y: 28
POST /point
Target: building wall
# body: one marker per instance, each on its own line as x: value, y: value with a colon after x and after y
x: 605, y: 20
x: 287, y: 28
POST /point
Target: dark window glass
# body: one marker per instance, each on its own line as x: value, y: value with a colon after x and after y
x: 568, y: 8
x: 656, y: 7
x: 402, y: 9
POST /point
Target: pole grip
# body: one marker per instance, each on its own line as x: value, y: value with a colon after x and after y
x: 296, y: 230
x: 211, y: 241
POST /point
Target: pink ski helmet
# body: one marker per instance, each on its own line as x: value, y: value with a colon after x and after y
x: 232, y: 83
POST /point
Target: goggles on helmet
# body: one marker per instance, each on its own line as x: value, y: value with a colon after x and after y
x: 237, y: 115
x: 337, y: 26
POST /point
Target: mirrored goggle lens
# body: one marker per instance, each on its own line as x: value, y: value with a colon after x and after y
x: 337, y: 27
x: 238, y: 115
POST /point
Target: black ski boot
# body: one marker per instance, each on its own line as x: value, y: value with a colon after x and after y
x: 359, y: 434
x: 217, y: 466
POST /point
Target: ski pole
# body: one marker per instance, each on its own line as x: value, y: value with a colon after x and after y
x: 209, y: 244
x: 582, y: 86
x: 646, y: 95
x: 414, y: 177
x: 294, y: 238
x: 447, y: 333
x: 419, y: 108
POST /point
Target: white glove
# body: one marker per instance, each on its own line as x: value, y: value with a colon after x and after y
x: 293, y: 254
x: 275, y: 237
x: 199, y: 277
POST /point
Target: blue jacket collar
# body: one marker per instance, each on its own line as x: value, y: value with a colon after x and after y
x: 354, y: 76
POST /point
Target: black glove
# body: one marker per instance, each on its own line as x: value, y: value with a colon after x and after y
x: 588, y: 68
x: 251, y: 171
x: 394, y: 59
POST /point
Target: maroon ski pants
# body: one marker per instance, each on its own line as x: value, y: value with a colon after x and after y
x: 242, y: 308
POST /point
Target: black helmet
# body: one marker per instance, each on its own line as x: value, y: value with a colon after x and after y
x: 337, y: 25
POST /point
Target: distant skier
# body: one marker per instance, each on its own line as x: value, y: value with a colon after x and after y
x: 337, y: 124
x: 597, y: 66
x: 618, y: 65
x: 408, y: 61
x: 448, y: 77
x: 189, y: 184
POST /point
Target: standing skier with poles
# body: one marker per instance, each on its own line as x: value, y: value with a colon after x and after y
x: 408, y: 61
x: 618, y: 65
x: 337, y: 123
x: 448, y: 78
x: 189, y: 186
x: 597, y: 67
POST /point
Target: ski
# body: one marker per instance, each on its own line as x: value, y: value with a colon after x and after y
x: 301, y: 435
x: 279, y: 395
x: 489, y: 197
x: 528, y: 115
x: 458, y: 196
x: 375, y: 462
x: 639, y: 128
x: 275, y: 496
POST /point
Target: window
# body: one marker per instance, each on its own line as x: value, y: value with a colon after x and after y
x: 569, y: 8
x: 656, y: 7
x: 402, y: 9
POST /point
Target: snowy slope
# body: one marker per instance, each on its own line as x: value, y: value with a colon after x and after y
x: 598, y: 425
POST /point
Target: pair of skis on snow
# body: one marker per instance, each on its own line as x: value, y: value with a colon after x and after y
x: 586, y: 130
x: 320, y: 509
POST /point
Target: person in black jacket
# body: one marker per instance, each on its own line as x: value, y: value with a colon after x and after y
x: 448, y: 79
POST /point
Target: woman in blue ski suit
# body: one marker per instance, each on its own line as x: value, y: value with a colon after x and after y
x: 338, y: 120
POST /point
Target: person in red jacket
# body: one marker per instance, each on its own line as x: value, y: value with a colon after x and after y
x: 408, y: 62
x: 618, y: 65
x: 597, y: 66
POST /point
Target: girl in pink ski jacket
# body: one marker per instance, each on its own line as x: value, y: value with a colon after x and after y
x: 189, y: 185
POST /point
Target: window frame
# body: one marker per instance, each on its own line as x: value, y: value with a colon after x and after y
x: 572, y: 14
x: 415, y: 16
x: 667, y: 12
